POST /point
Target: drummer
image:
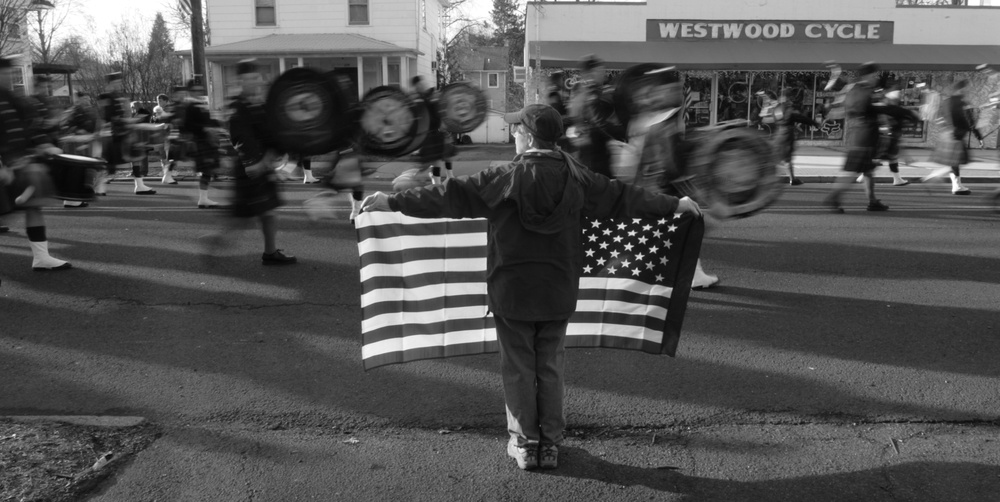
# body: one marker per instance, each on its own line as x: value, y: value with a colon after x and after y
x: 114, y: 113
x: 198, y: 124
x: 47, y: 118
x: 591, y: 131
x: 256, y: 194
x: 162, y: 114
x: 438, y: 145
x: 24, y: 184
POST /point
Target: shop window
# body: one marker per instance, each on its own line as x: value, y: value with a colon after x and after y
x: 946, y: 3
x: 493, y: 80
x: 264, y: 13
x: 357, y: 11
x: 697, y: 101
x: 17, y: 81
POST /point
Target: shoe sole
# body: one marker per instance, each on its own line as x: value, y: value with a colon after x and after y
x: 65, y: 266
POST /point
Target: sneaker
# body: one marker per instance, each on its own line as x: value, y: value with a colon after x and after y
x: 548, y: 456
x: 795, y: 182
x: 877, y: 205
x: 900, y: 183
x: 277, y: 258
x: 961, y: 191
x: 526, y: 457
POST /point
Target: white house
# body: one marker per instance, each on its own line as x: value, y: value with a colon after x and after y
x: 728, y: 50
x: 372, y: 42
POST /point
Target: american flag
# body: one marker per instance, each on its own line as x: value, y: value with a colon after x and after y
x: 424, y: 286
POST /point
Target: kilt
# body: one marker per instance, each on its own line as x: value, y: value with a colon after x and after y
x: 255, y: 196
x: 950, y: 152
x: 115, y: 153
x: 437, y: 146
x: 33, y: 174
x: 206, y: 156
x: 859, y: 159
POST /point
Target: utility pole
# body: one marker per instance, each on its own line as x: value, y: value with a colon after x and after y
x: 198, y: 41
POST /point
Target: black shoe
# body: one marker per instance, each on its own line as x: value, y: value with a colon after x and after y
x: 795, y: 182
x: 877, y: 205
x: 82, y: 204
x: 4, y: 229
x: 146, y: 192
x: 277, y: 258
x: 834, y: 205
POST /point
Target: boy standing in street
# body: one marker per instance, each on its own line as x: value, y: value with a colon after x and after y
x: 535, y: 207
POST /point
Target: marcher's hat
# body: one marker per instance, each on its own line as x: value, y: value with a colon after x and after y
x: 868, y: 68
x: 195, y: 84
x: 41, y: 78
x: 111, y: 77
x: 590, y: 61
x: 247, y: 66
x: 6, y: 63
x: 542, y: 121
x: 179, y: 88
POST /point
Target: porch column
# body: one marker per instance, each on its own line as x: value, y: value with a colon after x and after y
x: 385, y: 70
x: 361, y: 77
x: 714, y: 106
x: 281, y: 65
x: 301, y: 62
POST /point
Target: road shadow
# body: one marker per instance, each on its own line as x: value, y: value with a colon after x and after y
x: 912, y: 481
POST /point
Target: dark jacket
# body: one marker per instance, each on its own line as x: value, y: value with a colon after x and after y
x: 535, y: 209
x: 785, y: 118
x: 18, y: 127
x: 862, y: 117
x: 249, y: 132
x: 960, y: 117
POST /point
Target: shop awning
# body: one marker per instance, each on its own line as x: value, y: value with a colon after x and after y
x: 766, y: 55
x: 307, y: 44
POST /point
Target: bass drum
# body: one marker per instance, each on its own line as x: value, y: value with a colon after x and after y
x: 462, y: 107
x: 392, y: 123
x: 308, y: 112
x: 733, y: 172
x: 74, y: 176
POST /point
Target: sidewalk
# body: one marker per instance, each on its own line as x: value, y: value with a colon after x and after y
x: 812, y: 164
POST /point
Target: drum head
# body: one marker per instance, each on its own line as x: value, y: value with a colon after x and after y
x: 462, y: 107
x: 739, y: 173
x: 392, y: 123
x: 306, y: 110
x: 78, y: 160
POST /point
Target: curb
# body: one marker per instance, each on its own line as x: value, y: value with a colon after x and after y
x: 87, y: 420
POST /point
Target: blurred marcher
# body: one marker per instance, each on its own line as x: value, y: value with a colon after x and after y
x: 198, y: 125
x: 956, y: 118
x: 785, y: 118
x: 118, y: 154
x: 438, y: 146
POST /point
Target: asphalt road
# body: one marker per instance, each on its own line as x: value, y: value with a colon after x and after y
x: 843, y: 357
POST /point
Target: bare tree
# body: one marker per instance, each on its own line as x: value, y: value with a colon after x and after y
x: 91, y: 67
x: 49, y: 33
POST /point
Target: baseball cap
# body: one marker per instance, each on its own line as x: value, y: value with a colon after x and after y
x: 543, y: 121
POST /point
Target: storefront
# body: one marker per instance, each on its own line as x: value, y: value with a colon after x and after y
x: 733, y: 53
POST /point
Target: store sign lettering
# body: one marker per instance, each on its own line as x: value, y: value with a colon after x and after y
x: 820, y: 31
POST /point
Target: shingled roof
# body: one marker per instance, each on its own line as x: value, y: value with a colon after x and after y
x: 318, y: 43
x: 482, y: 58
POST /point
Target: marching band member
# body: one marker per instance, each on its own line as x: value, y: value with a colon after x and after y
x: 895, y: 117
x: 197, y: 124
x: 162, y: 114
x: 785, y: 118
x: 113, y: 113
x: 861, y: 139
x: 25, y: 184
x: 47, y: 119
x: 438, y: 145
x: 256, y: 192
x: 951, y: 151
x: 591, y: 129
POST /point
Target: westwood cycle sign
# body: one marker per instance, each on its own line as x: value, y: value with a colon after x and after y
x: 798, y: 31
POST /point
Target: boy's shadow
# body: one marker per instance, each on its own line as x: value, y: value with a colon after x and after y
x: 921, y: 480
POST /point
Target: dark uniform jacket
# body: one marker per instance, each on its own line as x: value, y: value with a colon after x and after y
x: 534, y: 206
x: 785, y: 118
x: 249, y: 132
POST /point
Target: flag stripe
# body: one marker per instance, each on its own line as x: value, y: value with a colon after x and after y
x: 420, y: 280
x: 384, y: 226
x: 412, y: 253
x: 374, y: 298
x: 404, y: 324
x: 422, y: 267
x: 405, y: 243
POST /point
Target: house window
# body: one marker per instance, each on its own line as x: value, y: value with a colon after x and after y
x: 493, y: 80
x: 357, y: 11
x: 264, y: 12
